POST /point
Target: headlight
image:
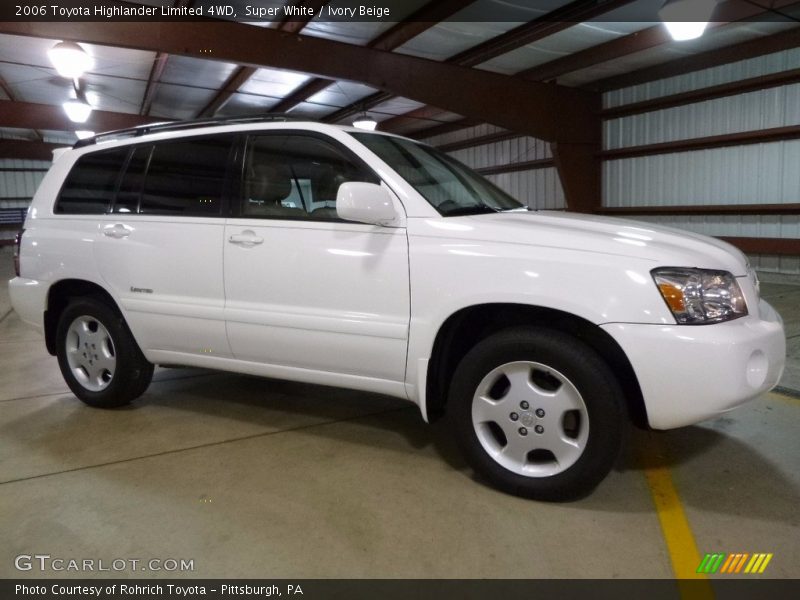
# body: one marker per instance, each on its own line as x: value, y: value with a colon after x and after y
x: 699, y: 297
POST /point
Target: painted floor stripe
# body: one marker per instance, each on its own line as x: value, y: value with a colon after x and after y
x: 678, y: 535
x: 791, y: 399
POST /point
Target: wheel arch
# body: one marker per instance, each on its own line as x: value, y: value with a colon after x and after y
x: 468, y: 326
x: 59, y: 296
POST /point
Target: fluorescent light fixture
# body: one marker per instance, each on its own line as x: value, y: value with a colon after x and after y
x: 77, y: 111
x: 365, y: 122
x: 70, y: 60
x: 686, y: 19
x: 682, y: 31
x: 82, y: 134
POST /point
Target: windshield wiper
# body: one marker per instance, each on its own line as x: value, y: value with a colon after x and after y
x: 475, y: 209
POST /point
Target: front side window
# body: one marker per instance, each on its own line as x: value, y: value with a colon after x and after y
x: 187, y: 177
x: 296, y: 177
x: 450, y: 187
x: 92, y: 183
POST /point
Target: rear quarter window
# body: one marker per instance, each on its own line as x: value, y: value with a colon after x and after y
x: 91, y: 184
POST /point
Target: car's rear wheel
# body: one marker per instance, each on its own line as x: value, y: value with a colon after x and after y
x: 98, y: 357
x: 537, y: 413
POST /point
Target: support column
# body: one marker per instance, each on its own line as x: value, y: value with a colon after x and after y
x: 580, y: 167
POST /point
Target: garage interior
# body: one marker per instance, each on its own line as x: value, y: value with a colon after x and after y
x: 583, y: 105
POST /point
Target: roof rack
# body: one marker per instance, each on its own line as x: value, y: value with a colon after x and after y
x: 189, y: 124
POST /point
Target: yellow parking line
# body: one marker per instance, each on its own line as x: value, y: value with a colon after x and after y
x: 785, y: 397
x: 681, y: 545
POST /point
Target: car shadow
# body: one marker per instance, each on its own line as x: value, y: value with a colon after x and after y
x: 730, y: 459
x: 722, y: 461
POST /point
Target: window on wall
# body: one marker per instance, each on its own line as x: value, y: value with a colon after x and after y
x: 92, y: 183
x: 187, y: 177
x: 296, y: 177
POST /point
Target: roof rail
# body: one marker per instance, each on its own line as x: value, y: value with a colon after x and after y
x: 189, y: 124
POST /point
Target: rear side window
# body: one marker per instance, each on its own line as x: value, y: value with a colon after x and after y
x: 187, y: 177
x: 92, y: 183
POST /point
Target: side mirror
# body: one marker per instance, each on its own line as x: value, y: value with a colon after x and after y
x: 366, y: 203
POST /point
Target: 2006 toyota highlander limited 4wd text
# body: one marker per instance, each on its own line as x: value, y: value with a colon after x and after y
x: 363, y: 260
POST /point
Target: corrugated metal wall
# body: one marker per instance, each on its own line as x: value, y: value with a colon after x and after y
x: 18, y: 182
x: 762, y: 109
x: 745, y: 69
x: 538, y: 188
x: 768, y: 226
x: 754, y: 174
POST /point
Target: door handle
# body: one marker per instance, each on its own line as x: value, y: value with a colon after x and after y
x: 246, y: 238
x: 117, y: 231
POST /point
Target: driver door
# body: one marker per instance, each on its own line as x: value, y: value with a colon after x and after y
x: 305, y: 290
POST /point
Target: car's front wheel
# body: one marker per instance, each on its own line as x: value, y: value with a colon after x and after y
x: 98, y: 357
x: 537, y: 413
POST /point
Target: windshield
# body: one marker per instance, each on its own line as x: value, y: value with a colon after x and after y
x: 451, y: 187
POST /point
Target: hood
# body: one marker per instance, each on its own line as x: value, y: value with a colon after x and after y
x: 665, y: 246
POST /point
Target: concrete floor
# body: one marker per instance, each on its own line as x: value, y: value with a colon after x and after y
x: 260, y: 478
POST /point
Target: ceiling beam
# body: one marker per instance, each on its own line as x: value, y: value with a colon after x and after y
x: 549, y: 112
x: 491, y: 138
x: 159, y: 64
x: 444, y: 128
x: 527, y: 33
x: 156, y: 72
x: 770, y: 44
x: 27, y: 115
x: 361, y: 106
x: 595, y: 55
x: 432, y: 13
x: 313, y: 86
x: 297, y: 24
x: 6, y: 90
x: 10, y: 95
x: 556, y: 20
x: 401, y: 123
x: 242, y: 75
x: 24, y: 150
x: 726, y: 13
x: 422, y: 20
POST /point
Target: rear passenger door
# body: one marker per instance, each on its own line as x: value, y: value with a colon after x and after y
x: 160, y: 249
x: 306, y: 290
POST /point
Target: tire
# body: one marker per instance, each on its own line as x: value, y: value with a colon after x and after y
x: 537, y: 413
x: 99, y: 359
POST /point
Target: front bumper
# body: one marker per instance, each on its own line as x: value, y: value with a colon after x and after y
x: 691, y: 373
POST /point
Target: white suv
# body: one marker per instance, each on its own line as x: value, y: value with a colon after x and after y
x: 341, y: 257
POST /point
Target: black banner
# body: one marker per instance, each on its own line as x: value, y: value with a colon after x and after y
x: 342, y: 589
x: 265, y: 12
